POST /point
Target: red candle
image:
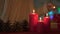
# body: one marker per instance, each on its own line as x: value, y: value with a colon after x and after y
x: 46, y: 19
x: 40, y: 25
x: 33, y: 19
x: 47, y: 23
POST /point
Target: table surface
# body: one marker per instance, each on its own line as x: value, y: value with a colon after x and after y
x: 28, y: 33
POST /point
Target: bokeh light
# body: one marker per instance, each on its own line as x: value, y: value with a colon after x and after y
x: 51, y: 13
x: 51, y: 17
x: 58, y: 10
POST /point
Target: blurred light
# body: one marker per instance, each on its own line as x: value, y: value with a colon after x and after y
x: 33, y: 11
x: 50, y: 13
x: 54, y: 7
x: 46, y: 14
x: 58, y: 10
x: 40, y: 19
x: 51, y: 17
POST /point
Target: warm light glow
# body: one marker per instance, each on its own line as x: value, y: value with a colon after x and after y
x: 33, y: 11
x: 54, y: 7
x: 46, y: 14
x: 40, y: 18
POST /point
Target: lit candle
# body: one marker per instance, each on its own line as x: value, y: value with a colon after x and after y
x: 40, y: 25
x: 46, y: 19
x: 33, y: 19
x: 47, y: 23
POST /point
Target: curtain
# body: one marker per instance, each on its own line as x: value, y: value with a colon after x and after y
x: 17, y: 10
x: 1, y: 6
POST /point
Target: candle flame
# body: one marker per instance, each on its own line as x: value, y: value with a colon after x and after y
x: 33, y: 11
x: 40, y: 18
x: 46, y: 14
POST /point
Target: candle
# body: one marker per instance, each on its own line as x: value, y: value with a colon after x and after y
x: 46, y: 19
x: 40, y: 25
x: 33, y: 19
x: 46, y: 23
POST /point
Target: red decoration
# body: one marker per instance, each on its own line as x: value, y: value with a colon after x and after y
x: 33, y: 20
x: 47, y: 23
x: 40, y: 26
x: 46, y: 20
